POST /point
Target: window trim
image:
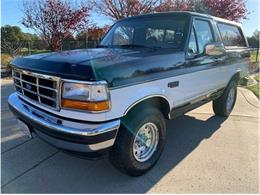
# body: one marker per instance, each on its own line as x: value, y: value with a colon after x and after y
x: 196, y: 40
x: 240, y: 31
x: 210, y: 26
x: 187, y: 21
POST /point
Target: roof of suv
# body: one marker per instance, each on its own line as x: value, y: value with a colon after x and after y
x: 188, y: 13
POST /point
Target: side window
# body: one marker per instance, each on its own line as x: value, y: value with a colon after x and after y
x: 204, y: 33
x: 231, y: 35
x: 192, y: 48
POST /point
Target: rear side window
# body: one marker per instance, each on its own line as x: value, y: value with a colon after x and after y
x: 231, y: 35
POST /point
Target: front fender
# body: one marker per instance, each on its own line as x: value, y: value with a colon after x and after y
x: 125, y: 98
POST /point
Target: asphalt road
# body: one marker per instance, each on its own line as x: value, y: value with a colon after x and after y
x: 203, y: 154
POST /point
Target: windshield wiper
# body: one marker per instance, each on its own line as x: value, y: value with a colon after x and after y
x: 123, y: 46
x: 128, y: 46
x: 103, y: 46
x: 132, y: 46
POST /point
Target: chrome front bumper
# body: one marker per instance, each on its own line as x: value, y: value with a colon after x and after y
x: 65, y: 133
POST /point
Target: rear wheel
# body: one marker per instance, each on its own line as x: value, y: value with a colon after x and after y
x: 139, y: 142
x: 224, y: 105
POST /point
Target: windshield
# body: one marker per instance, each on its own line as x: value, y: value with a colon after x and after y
x: 153, y: 32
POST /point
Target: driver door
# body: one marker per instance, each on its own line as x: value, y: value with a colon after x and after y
x: 204, y: 73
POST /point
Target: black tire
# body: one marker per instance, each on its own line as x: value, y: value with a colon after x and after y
x: 220, y: 105
x: 121, y: 155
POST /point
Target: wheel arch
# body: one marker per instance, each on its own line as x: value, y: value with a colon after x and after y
x: 236, y: 77
x: 158, y: 101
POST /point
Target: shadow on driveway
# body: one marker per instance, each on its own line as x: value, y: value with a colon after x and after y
x: 62, y: 173
x: 66, y: 174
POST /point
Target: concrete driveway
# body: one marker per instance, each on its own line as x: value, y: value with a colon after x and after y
x: 203, y: 154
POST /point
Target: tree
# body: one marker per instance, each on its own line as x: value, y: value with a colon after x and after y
x: 174, y: 5
x: 13, y: 39
x: 91, y: 37
x: 12, y: 33
x: 253, y: 41
x: 118, y: 9
x: 94, y: 33
x: 228, y: 9
x: 55, y: 20
x: 31, y: 37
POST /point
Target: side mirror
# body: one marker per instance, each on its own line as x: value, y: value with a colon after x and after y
x: 214, y: 49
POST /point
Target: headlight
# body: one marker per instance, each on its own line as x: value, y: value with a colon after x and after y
x: 91, y: 97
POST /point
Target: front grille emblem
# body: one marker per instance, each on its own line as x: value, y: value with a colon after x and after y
x: 27, y: 86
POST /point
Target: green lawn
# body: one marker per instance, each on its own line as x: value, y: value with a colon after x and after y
x: 257, y: 77
x: 253, y: 56
x: 255, y: 88
x: 25, y: 51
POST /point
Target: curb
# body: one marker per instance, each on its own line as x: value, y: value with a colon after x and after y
x: 250, y: 97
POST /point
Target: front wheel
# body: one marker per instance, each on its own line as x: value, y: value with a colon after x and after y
x: 224, y: 105
x: 139, y: 142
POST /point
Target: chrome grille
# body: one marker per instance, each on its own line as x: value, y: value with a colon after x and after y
x: 37, y: 87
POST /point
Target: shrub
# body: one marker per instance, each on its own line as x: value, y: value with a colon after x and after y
x: 254, y: 89
x: 5, y: 65
x: 243, y: 81
x: 257, y: 77
x: 5, y: 60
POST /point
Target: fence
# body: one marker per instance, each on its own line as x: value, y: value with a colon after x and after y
x: 12, y: 49
x: 254, y: 60
x: 255, y: 54
x: 40, y: 46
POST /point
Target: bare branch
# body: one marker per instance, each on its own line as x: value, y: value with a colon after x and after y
x: 55, y: 19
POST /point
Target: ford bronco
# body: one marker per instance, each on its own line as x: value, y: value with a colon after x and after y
x: 114, y: 99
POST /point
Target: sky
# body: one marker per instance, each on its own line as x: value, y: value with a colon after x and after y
x: 11, y: 14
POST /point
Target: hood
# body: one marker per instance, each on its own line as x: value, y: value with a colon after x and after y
x: 114, y: 65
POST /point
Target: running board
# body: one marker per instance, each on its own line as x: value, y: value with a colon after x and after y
x: 180, y: 110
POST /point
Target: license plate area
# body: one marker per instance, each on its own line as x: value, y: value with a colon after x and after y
x: 24, y: 128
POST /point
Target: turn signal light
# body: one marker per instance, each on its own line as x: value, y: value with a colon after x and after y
x: 82, y: 105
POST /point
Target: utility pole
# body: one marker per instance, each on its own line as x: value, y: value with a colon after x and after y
x: 87, y: 39
x: 29, y: 47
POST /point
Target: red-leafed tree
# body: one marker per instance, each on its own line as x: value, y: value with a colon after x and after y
x: 173, y: 5
x: 233, y: 10
x: 93, y: 33
x: 118, y: 9
x: 55, y: 20
x: 96, y: 33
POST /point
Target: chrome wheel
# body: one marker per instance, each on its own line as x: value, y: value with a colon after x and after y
x: 145, y: 142
x: 230, y: 99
